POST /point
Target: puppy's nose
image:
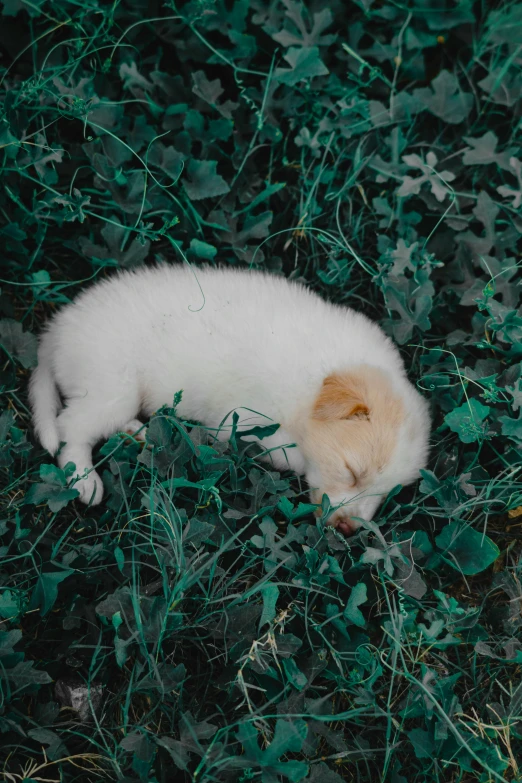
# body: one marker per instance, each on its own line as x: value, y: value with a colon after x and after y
x: 347, y: 526
x: 343, y: 523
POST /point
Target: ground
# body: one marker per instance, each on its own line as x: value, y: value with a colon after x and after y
x: 201, y: 625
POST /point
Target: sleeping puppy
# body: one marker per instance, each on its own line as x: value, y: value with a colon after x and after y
x: 263, y: 346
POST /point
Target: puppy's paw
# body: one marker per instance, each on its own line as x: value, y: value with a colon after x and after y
x: 132, y: 427
x: 90, y: 488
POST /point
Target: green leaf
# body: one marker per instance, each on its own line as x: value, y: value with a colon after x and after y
x: 422, y: 742
x: 502, y: 86
x: 24, y: 675
x: 292, y: 514
x: 412, y: 299
x: 53, y: 488
x: 121, y: 650
x: 45, y: 592
x: 437, y: 181
x: 504, y: 25
x: 159, y: 432
x: 293, y: 674
x: 120, y: 558
x: 270, y: 595
x: 466, y: 549
x: 176, y: 750
x: 55, y: 747
x: 260, y: 432
x: 515, y: 194
x: 203, y: 180
x: 445, y: 17
x: 278, y: 544
x: 210, y: 91
x: 265, y: 195
x: 9, y: 605
x: 6, y: 422
x: 206, y: 90
x: 120, y: 248
x: 352, y: 614
x: 468, y: 420
x: 288, y: 737
x: 73, y: 205
x: 484, y: 151
x: 12, y: 7
x: 305, y: 64
x: 403, y: 256
x: 286, y: 507
x: 12, y: 440
x: 178, y: 483
x: 302, y: 37
x: 445, y: 99
x: 143, y: 751
x: 22, y: 345
x: 196, y: 532
x: 255, y: 227
x: 8, y: 639
x: 322, y: 774
x: 410, y: 580
x: 512, y: 428
x: 203, y: 249
x: 372, y: 555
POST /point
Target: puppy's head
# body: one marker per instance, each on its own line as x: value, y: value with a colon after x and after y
x: 364, y: 436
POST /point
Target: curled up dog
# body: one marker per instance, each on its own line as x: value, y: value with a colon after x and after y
x: 266, y: 347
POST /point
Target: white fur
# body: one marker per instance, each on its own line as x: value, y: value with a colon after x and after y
x: 259, y: 345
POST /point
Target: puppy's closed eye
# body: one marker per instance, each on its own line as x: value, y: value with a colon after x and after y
x: 352, y: 478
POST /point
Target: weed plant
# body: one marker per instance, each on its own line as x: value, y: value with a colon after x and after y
x: 213, y: 629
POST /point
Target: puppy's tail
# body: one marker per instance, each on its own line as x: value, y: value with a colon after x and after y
x: 44, y: 398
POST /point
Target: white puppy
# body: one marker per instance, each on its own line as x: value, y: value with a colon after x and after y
x: 260, y: 345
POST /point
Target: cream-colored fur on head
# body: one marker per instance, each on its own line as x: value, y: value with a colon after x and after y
x: 354, y: 431
x: 261, y: 345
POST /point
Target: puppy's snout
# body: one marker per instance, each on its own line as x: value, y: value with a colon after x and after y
x: 344, y: 523
x: 341, y: 518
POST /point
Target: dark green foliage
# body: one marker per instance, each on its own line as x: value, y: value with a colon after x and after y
x: 371, y: 149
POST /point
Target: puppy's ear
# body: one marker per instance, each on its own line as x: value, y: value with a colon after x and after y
x: 342, y: 396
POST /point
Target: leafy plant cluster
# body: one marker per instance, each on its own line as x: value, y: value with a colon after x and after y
x: 211, y: 627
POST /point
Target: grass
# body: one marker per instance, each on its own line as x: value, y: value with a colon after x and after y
x: 212, y: 629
